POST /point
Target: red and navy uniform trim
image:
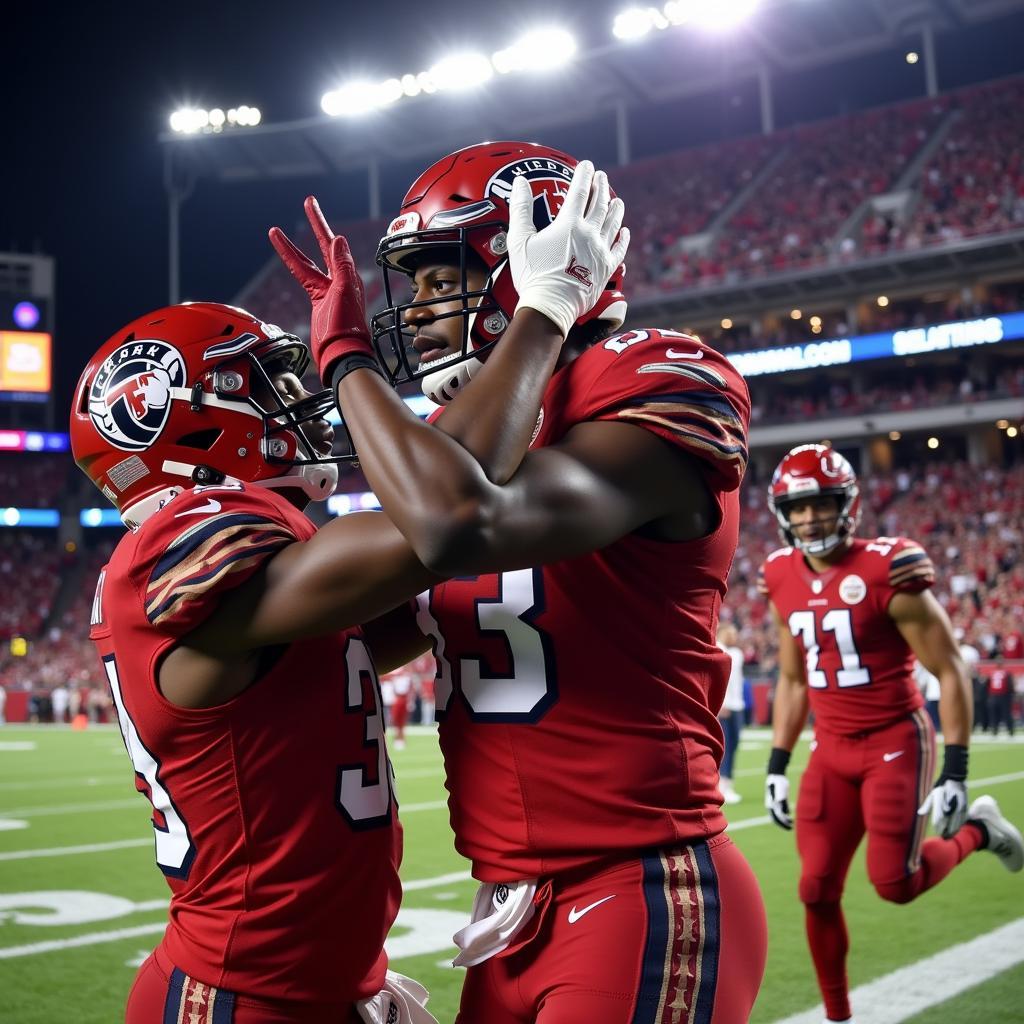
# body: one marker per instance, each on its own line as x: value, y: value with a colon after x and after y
x: 191, y: 1002
x: 198, y: 561
x: 680, y: 965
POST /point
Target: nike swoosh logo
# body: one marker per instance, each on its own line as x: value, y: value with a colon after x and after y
x: 673, y: 354
x: 575, y: 915
x: 212, y: 505
x: 892, y: 756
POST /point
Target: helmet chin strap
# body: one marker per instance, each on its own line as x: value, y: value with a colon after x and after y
x: 443, y: 385
x: 819, y: 547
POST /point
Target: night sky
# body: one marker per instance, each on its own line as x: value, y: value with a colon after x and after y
x: 86, y: 94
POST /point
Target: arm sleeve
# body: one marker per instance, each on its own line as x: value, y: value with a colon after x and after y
x: 686, y: 393
x: 190, y: 562
x: 910, y: 568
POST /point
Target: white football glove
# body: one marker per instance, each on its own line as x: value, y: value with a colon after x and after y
x: 776, y: 799
x: 562, y: 270
x: 948, y: 805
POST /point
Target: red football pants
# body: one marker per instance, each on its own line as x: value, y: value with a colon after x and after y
x: 871, y: 783
x: 677, y: 935
x: 163, y: 994
x: 400, y: 711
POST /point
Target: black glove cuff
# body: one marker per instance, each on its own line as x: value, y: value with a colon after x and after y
x: 954, y: 762
x: 346, y: 364
x: 778, y: 761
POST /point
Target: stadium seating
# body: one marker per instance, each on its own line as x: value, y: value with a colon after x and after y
x: 819, y: 175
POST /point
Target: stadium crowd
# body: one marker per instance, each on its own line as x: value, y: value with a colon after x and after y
x: 801, y: 213
x: 967, y: 517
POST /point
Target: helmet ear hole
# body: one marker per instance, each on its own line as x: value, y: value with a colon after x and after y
x: 203, y: 440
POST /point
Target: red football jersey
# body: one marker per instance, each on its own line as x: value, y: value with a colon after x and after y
x: 860, y: 670
x: 273, y: 814
x: 577, y: 702
x: 999, y: 682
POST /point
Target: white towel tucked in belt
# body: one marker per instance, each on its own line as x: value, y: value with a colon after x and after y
x: 400, y: 1001
x: 500, y: 910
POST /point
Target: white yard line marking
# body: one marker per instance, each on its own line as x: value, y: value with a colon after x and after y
x: 47, y: 809
x: 430, y: 805
x: 909, y: 991
x: 90, y: 939
x: 430, y: 883
x: 16, y: 745
x: 11, y: 825
x: 70, y: 851
x: 66, y: 783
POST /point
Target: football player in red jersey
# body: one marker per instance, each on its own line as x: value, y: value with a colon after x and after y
x: 852, y: 615
x: 228, y: 625
x: 577, y: 700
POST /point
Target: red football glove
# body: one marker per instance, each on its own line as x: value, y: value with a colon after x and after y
x: 338, y: 322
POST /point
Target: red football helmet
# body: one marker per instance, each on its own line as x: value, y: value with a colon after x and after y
x: 184, y: 396
x: 461, y: 204
x: 810, y: 470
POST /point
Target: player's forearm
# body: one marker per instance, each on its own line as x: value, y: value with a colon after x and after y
x: 436, y: 487
x: 789, y: 712
x: 512, y: 383
x: 956, y: 710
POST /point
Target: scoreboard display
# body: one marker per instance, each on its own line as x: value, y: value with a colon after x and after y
x: 25, y: 364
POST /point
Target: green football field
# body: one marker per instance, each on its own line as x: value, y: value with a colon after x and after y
x: 82, y: 903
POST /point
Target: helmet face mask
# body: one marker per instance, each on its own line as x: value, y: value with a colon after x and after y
x: 482, y: 321
x: 459, y: 206
x: 186, y: 395
x: 812, y: 471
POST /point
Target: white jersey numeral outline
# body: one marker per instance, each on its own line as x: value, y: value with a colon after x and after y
x: 175, y: 850
x: 839, y: 622
x: 365, y: 804
x: 530, y: 689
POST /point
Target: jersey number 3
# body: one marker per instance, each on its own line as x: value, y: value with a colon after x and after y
x: 839, y: 623
x: 526, y: 691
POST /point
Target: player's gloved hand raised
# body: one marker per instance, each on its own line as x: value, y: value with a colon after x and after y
x: 562, y: 270
x: 776, y: 788
x: 947, y: 801
x: 338, y: 322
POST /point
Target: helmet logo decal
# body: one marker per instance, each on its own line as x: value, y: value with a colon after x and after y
x: 549, y: 180
x: 404, y: 222
x: 130, y: 397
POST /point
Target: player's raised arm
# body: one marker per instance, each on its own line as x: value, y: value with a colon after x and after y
x: 789, y: 715
x: 437, y: 486
x: 925, y: 626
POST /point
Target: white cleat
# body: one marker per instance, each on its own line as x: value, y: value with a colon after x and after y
x: 1004, y: 839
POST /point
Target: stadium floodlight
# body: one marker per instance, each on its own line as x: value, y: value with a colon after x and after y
x: 541, y: 49
x: 636, y: 22
x: 189, y: 120
x: 933, y: 443
x: 717, y: 15
x: 461, y: 71
x: 411, y: 85
x: 357, y: 98
x: 1011, y: 431
x: 894, y: 435
x: 912, y: 57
